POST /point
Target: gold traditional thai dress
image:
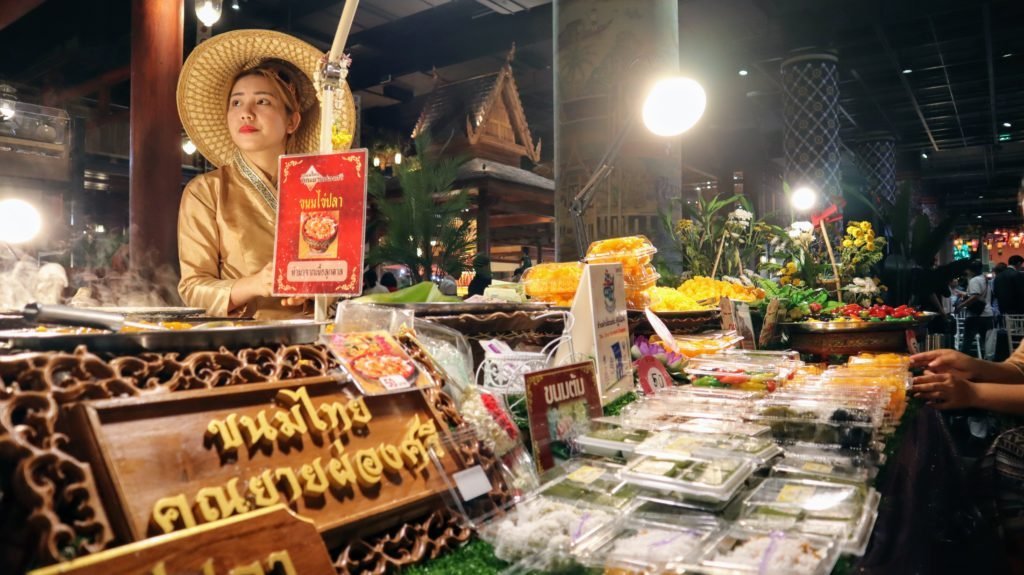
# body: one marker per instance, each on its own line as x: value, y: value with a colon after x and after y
x: 225, y: 233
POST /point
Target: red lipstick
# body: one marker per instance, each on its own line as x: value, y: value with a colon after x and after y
x: 247, y: 129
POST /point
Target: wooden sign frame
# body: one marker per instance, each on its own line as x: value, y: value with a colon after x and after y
x: 199, y: 462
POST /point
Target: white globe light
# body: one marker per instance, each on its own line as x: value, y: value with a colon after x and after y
x: 674, y: 106
x: 188, y: 147
x: 803, y: 199
x: 19, y: 221
x: 208, y: 11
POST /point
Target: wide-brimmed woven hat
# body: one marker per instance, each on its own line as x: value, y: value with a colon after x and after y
x: 205, y: 84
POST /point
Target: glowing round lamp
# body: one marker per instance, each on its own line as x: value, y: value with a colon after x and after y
x: 208, y: 11
x: 19, y: 221
x: 673, y: 106
x: 803, y: 199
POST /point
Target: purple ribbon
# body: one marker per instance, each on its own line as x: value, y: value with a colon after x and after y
x: 579, y: 528
x: 775, y: 537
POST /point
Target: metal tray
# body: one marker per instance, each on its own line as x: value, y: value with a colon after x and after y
x: 248, y: 334
x: 858, y: 326
x: 425, y: 309
x: 154, y: 313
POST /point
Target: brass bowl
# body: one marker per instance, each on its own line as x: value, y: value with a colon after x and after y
x: 850, y: 338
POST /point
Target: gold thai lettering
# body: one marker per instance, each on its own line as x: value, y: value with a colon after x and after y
x: 159, y: 569
x: 257, y: 431
x: 227, y: 499
x: 170, y: 511
x: 391, y: 457
x: 253, y: 568
x: 225, y: 434
x: 337, y: 417
x: 283, y: 560
x: 293, y: 486
x: 314, y: 479
x: 264, y: 489
x: 340, y: 472
x: 413, y: 454
x: 301, y: 406
x: 359, y: 411
x: 368, y: 467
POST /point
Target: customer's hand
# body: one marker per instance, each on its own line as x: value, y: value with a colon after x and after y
x: 293, y: 301
x: 947, y: 361
x: 944, y: 390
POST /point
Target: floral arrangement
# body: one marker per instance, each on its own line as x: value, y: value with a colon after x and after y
x: 860, y: 249
x: 673, y: 362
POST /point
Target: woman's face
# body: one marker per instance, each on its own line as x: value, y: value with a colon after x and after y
x: 257, y: 118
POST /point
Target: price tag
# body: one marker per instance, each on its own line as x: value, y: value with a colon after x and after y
x: 472, y: 482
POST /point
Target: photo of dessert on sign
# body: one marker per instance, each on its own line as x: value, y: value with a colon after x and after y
x: 319, y: 232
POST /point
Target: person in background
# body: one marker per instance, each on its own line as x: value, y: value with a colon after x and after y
x: 245, y: 98
x: 978, y: 304
x: 482, y: 279
x: 517, y: 274
x: 1006, y: 287
x: 370, y: 284
x: 447, y: 285
x: 389, y: 282
x: 525, y: 262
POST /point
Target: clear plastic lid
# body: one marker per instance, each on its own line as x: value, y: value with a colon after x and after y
x: 781, y: 502
x: 692, y: 346
x: 707, y: 425
x: 588, y: 482
x: 680, y: 446
x: 636, y: 544
x: 834, y: 471
x: 814, y: 422
x: 743, y: 550
x: 627, y: 246
x: 641, y: 278
x: 713, y: 371
x: 612, y: 441
x: 715, y: 478
x: 552, y: 278
x: 898, y: 360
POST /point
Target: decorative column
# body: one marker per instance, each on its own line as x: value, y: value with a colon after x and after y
x: 155, y: 161
x: 810, y: 112
x: 876, y: 158
x: 598, y: 90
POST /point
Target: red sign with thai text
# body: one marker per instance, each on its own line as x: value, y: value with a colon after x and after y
x: 321, y: 224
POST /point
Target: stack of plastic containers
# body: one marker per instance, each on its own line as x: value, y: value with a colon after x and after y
x: 683, y: 444
x: 742, y: 371
x: 633, y: 544
x: 819, y: 421
x: 743, y: 550
x: 677, y: 406
x: 553, y: 283
x: 635, y: 254
x: 612, y: 441
x: 846, y: 513
x: 703, y: 344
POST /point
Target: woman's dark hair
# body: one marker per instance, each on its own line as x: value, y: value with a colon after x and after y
x: 975, y: 267
x: 369, y: 279
x: 388, y: 280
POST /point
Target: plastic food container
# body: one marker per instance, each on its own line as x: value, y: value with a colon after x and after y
x: 742, y: 550
x: 552, y: 282
x: 640, y: 545
x: 611, y: 440
x: 817, y: 422
x: 897, y: 360
x: 836, y: 470
x: 817, y: 508
x: 716, y: 371
x: 589, y: 483
x: 692, y: 346
x: 633, y: 252
x: 681, y: 446
x: 707, y: 425
x: 714, y: 479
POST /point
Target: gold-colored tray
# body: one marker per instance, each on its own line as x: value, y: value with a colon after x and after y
x: 858, y: 326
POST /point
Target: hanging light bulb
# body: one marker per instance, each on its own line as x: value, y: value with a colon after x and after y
x: 376, y: 161
x: 398, y: 158
x: 673, y: 106
x: 234, y: 5
x: 8, y: 101
x: 188, y: 146
x: 208, y: 11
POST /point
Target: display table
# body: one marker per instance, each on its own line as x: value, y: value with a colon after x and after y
x: 926, y: 522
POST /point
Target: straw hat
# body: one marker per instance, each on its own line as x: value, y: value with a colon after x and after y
x: 204, y: 87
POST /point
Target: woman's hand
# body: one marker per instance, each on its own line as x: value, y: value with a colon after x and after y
x: 251, y: 287
x: 948, y: 361
x: 293, y: 301
x: 944, y: 390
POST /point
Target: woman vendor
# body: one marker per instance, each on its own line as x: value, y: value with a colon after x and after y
x: 245, y: 98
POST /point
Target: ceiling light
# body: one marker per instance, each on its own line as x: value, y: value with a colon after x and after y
x: 234, y: 5
x: 979, y: 217
x: 673, y: 106
x: 1004, y: 137
x: 188, y: 146
x: 1007, y: 124
x: 398, y: 158
x: 1007, y: 55
x: 208, y: 11
x: 907, y: 70
x: 743, y: 72
x: 981, y: 197
x: 19, y: 221
x: 924, y: 155
x: 803, y: 199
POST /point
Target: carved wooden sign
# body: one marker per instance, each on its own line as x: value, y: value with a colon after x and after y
x: 271, y: 540
x: 347, y: 462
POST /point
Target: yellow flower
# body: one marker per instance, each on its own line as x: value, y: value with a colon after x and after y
x: 869, y: 246
x: 853, y: 231
x: 784, y: 280
x: 791, y: 267
x: 865, y: 226
x: 858, y: 242
x: 847, y: 243
x: 798, y: 282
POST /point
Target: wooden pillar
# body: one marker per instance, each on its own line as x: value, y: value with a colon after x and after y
x: 483, y: 222
x: 155, y: 161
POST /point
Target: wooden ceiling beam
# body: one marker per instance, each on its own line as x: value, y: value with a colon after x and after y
x: 97, y: 84
x: 512, y: 220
